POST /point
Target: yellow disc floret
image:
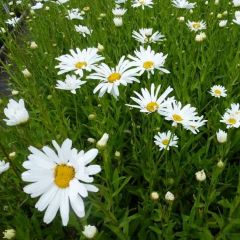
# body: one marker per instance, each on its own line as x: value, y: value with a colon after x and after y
x: 148, y: 64
x: 63, y: 175
x: 152, y: 106
x: 81, y: 65
x: 177, y: 118
x: 114, y: 77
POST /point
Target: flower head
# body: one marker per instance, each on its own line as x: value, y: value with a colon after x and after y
x: 196, y: 26
x: 184, y: 4
x: 4, y: 166
x: 166, y: 140
x: 218, y: 91
x: 89, y: 231
x: 16, y: 113
x: 60, y: 178
x: 142, y: 3
x: 146, y: 35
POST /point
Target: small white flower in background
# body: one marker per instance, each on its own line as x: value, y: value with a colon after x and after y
x: 37, y: 6
x: 181, y: 19
x: 12, y: 155
x: 119, y: 12
x: 64, y: 178
x: 26, y: 73
x: 206, y: 3
x: 218, y: 91
x: 146, y: 60
x: 4, y: 166
x: 60, y: 2
x: 9, y: 234
x: 219, y: 15
x: 79, y: 61
x: 221, y: 136
x: 118, y: 22
x: 146, y: 35
x: 13, y: 21
x: 237, y: 18
x: 74, y: 14
x: 92, y: 116
x: 184, y: 4
x: 169, y: 197
x: 150, y: 101
x: 196, y: 26
x: 200, y: 37
x: 154, y: 196
x: 33, y: 45
x: 142, y: 3
x: 220, y: 164
x: 89, y: 231
x: 2, y: 30
x: 120, y: 1
x: 117, y: 154
x: 83, y: 30
x: 216, y: 2
x: 16, y: 113
x: 103, y: 141
x: 165, y: 140
x: 200, y: 176
x: 15, y: 92
x: 236, y: 3
x: 100, y: 47
x: 223, y: 23
x: 91, y: 140
x: 111, y: 78
x: 71, y: 83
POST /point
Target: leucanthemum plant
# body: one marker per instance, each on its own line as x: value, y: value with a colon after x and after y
x: 142, y: 3
x: 165, y: 140
x: 146, y: 35
x: 61, y: 178
x: 196, y: 26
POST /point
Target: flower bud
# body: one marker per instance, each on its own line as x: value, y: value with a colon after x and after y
x: 154, y: 196
x: 103, y: 141
x: 26, y: 73
x: 200, y: 176
x: 169, y: 196
x: 117, y: 154
x: 9, y: 234
x: 89, y: 231
x: 91, y: 140
x: 12, y: 155
x: 33, y: 45
x: 91, y: 116
x: 221, y: 136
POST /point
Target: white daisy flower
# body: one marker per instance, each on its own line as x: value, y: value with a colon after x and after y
x: 194, y: 125
x: 142, y: 3
x: 177, y: 114
x: 147, y: 60
x: 236, y: 3
x: 146, y: 35
x: 221, y: 136
x: 71, y: 83
x: 165, y: 140
x: 235, y: 109
x: 74, y: 14
x: 150, y: 101
x: 111, y: 78
x: 184, y: 4
x: 218, y: 91
x: 13, y: 21
x: 119, y: 12
x: 16, y: 113
x: 37, y: 6
x: 60, y: 178
x: 83, y: 30
x: 79, y: 60
x: 196, y: 26
x: 230, y: 119
x: 237, y: 18
x: 4, y: 166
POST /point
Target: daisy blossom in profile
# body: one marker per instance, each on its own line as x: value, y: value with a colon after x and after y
x: 13, y: 21
x: 111, y: 78
x: 196, y: 26
x: 150, y: 101
x: 147, y: 60
x: 218, y: 91
x: 119, y: 12
x: 184, y: 4
x: 16, y: 113
x: 61, y: 178
x: 83, y: 30
x: 74, y: 14
x: 79, y: 60
x: 37, y: 6
x: 120, y: 1
x: 4, y: 166
x: 195, y: 124
x: 146, y: 35
x: 71, y: 83
x: 165, y: 140
x: 60, y: 2
x: 177, y: 113
x: 142, y: 3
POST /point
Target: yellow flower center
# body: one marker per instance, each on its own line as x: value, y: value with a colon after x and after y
x: 114, y: 77
x: 165, y: 142
x: 142, y: 1
x: 152, y: 106
x: 177, y: 118
x: 63, y: 175
x: 148, y: 64
x: 80, y: 65
x: 196, y: 25
x: 218, y: 92
x: 232, y: 121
